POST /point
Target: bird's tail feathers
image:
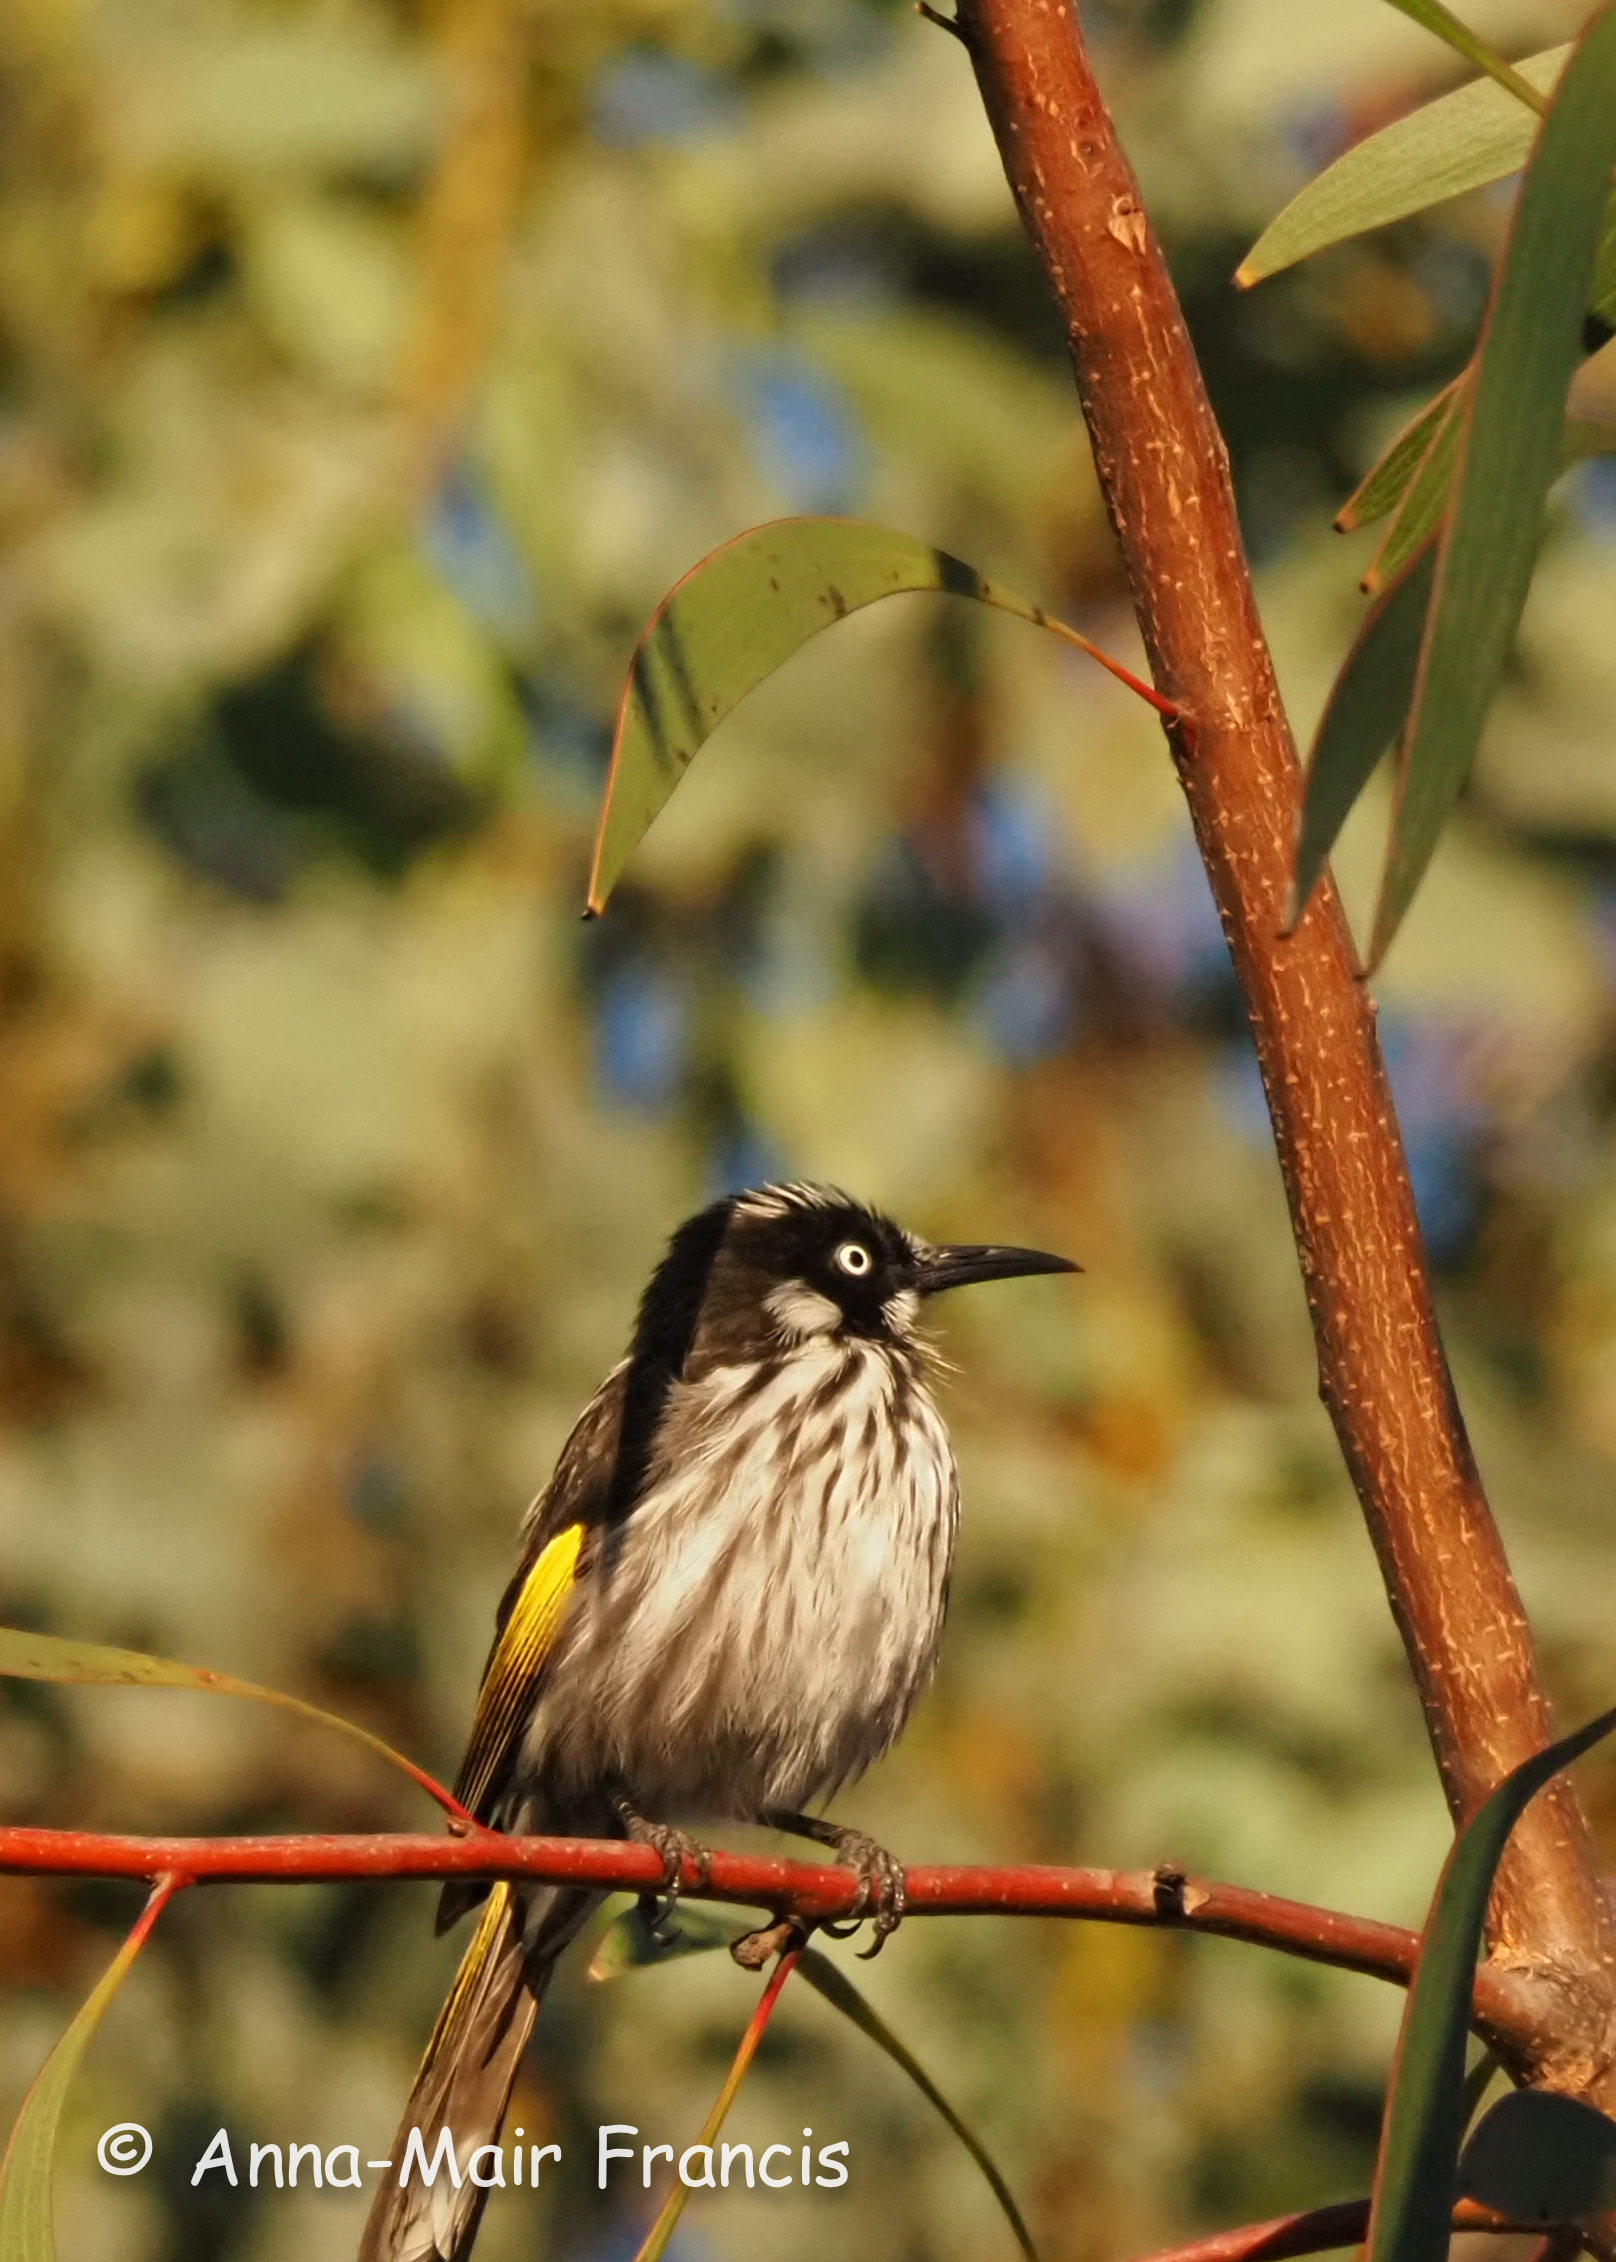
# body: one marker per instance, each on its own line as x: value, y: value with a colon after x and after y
x: 428, y: 2209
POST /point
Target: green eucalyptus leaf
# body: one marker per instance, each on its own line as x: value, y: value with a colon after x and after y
x: 1366, y: 709
x: 1382, y: 488
x: 736, y: 617
x: 1416, y: 2179
x: 1510, y: 452
x: 1538, y: 2158
x: 832, y: 1982
x: 633, y: 1941
x: 26, y: 2232
x: 1426, y: 501
x: 1459, y: 36
x: 1462, y: 140
x: 26, y: 1656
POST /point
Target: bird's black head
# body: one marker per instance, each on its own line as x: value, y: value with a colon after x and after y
x: 763, y: 1271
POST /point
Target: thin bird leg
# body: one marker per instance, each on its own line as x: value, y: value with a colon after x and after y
x: 676, y: 1848
x: 881, y: 1882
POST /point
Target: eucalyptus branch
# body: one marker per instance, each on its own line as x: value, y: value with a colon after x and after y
x: 1165, y: 1898
x: 1383, y: 1374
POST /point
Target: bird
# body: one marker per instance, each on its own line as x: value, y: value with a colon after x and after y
x: 727, y: 1599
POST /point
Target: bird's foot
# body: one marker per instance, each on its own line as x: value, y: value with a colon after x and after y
x: 676, y: 1848
x: 883, y: 1891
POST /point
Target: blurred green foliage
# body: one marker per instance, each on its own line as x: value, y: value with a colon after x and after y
x: 365, y: 379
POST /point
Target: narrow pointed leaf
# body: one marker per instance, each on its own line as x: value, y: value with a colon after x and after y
x: 28, y: 1656
x: 1424, y: 506
x: 26, y: 2232
x: 1367, y: 707
x: 1509, y: 455
x: 655, y: 2243
x: 1539, y: 2158
x: 832, y: 1982
x: 737, y: 617
x: 1461, y: 141
x: 1419, y: 2145
x: 630, y: 1944
x: 1459, y: 36
x: 1382, y: 488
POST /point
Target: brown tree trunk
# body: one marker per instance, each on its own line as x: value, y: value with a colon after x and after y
x: 1383, y: 1374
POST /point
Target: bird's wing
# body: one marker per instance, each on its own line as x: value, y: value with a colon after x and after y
x: 534, y: 1606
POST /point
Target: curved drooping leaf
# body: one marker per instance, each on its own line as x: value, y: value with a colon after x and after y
x: 1538, y: 2158
x: 1462, y: 140
x: 1459, y: 36
x: 26, y: 2233
x: 633, y: 1942
x: 1367, y: 707
x: 630, y: 1942
x: 28, y: 1656
x: 1382, y: 488
x: 1417, y: 2174
x: 736, y: 617
x: 832, y: 1982
x: 1509, y: 455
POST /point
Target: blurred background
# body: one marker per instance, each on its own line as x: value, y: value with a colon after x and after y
x: 366, y: 375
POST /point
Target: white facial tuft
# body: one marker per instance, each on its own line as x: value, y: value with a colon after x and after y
x: 902, y: 1313
x: 800, y: 1312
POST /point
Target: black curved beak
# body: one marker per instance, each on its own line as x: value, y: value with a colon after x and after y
x: 959, y: 1266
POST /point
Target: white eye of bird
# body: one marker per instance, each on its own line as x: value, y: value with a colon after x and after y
x: 854, y: 1258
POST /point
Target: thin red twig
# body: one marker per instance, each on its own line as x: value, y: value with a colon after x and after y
x: 1164, y: 1897
x: 1317, y: 2231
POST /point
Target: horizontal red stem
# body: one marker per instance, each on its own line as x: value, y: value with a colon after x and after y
x: 1161, y: 1897
x: 1318, y: 2231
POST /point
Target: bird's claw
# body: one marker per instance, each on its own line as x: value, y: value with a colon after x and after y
x: 882, y: 1893
x: 676, y: 1848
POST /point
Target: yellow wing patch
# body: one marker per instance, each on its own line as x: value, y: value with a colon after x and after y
x: 525, y: 1641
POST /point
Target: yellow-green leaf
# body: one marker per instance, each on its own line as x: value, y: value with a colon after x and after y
x: 1382, y: 488
x: 28, y: 1656
x: 26, y: 2233
x: 1462, y: 140
x: 737, y: 617
x: 1510, y: 449
x: 1459, y: 36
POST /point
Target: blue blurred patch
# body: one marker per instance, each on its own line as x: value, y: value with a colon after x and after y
x: 467, y: 542
x: 570, y: 744
x: 648, y: 95
x: 642, y: 1036
x: 804, y: 437
x: 1591, y: 491
x: 1011, y: 829
x: 743, y: 1156
x: 1024, y: 1003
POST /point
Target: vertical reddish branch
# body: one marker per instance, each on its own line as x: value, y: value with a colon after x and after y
x: 1383, y: 1374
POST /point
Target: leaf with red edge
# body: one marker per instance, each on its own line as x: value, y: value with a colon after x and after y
x: 26, y: 2230
x: 26, y: 1656
x: 739, y: 615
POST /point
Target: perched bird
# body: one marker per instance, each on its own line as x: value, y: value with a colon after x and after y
x: 729, y: 1596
